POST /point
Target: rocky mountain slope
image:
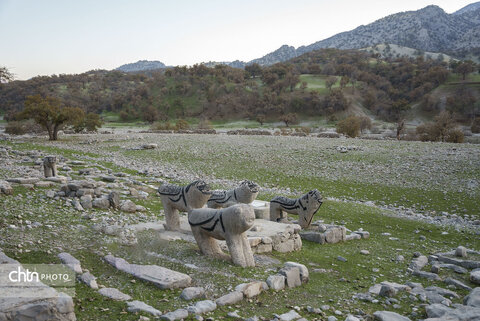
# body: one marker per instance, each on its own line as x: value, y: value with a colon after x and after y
x: 141, y: 65
x: 429, y: 29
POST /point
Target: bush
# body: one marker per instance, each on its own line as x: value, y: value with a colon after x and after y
x: 91, y: 122
x: 427, y: 132
x: 476, y: 125
x: 289, y: 119
x: 455, y: 136
x: 303, y: 129
x: 23, y: 127
x: 162, y: 126
x: 349, y: 126
x: 204, y: 124
x: 365, y: 123
x: 182, y: 124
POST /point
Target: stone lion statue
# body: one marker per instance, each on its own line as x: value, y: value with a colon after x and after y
x: 305, y: 207
x: 229, y: 224
x: 50, y: 166
x: 245, y: 193
x: 177, y: 199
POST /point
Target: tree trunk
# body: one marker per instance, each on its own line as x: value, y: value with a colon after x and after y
x: 55, y: 133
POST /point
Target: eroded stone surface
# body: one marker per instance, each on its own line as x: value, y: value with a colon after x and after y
x: 139, y: 306
x: 114, y: 294
x: 230, y: 298
x: 70, y: 262
x: 162, y: 277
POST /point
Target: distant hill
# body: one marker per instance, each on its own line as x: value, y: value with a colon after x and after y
x: 396, y: 51
x: 428, y: 29
x: 142, y: 65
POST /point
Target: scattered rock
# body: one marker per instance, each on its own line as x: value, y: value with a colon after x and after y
x: 178, y: 314
x: 71, y: 262
x: 475, y: 276
x: 304, y: 275
x: 102, y: 203
x: 289, y: 316
x: 192, y: 293
x: 250, y: 289
x: 473, y: 299
x: 128, y: 206
x: 387, y: 291
x: 89, y: 280
x: 389, y: 316
x: 276, y: 282
x: 114, y: 294
x: 139, y: 306
x: 114, y: 199
x: 202, y: 307
x: 457, y: 284
x: 364, y: 252
x: 292, y: 275
x: 230, y: 298
x: 461, y: 251
x: 418, y: 263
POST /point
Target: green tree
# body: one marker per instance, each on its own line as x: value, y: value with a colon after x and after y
x: 330, y: 81
x: 464, y: 68
x: 5, y: 75
x: 50, y: 113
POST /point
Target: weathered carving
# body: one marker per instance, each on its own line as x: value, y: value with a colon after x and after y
x: 227, y: 224
x: 305, y: 207
x: 50, y: 166
x: 245, y: 193
x: 182, y: 198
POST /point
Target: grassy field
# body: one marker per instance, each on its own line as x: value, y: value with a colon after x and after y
x: 424, y: 176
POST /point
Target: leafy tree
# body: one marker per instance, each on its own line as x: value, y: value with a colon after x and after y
x: 50, y: 114
x: 464, y: 68
x: 289, y: 119
x: 330, y: 81
x: 443, y: 129
x: 261, y: 119
x: 5, y: 75
x: 344, y: 81
x: 91, y: 122
x: 150, y: 114
x: 254, y: 70
x: 475, y: 128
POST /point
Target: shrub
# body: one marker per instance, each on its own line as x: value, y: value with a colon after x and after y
x: 349, y: 126
x: 182, y: 124
x: 204, y: 124
x: 365, y: 123
x: 476, y: 125
x: 289, y: 119
x: 455, y: 136
x: 23, y: 127
x: 162, y: 126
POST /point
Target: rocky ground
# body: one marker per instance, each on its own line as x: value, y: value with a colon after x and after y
x: 416, y: 200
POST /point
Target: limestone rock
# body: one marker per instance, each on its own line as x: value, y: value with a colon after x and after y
x: 475, y: 276
x: 89, y: 280
x: 457, y: 284
x: 387, y: 291
x: 304, y: 275
x: 289, y: 316
x: 192, y: 293
x: 162, y: 277
x: 5, y: 188
x: 427, y: 275
x: 149, y: 146
x: 139, y: 306
x: 389, y: 316
x: 114, y: 294
x: 114, y: 199
x: 86, y: 201
x: 292, y: 275
x: 102, y: 203
x: 70, y: 262
x: 473, y: 299
x: 461, y: 251
x: 178, y: 314
x: 202, y: 307
x: 276, y: 282
x: 128, y: 206
x: 230, y: 298
x: 250, y: 289
x: 418, y: 263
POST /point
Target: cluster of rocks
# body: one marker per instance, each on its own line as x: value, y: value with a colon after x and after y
x: 87, y: 194
x: 249, y: 132
x: 290, y: 276
x: 330, y: 234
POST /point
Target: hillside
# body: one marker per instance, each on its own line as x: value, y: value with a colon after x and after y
x: 384, y: 88
x: 396, y: 51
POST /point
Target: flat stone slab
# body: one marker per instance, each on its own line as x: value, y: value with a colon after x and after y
x: 70, y: 262
x: 139, y: 306
x: 162, y: 277
x: 114, y: 294
x: 265, y: 236
x: 23, y: 180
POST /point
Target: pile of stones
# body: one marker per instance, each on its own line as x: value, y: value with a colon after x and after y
x: 330, y: 234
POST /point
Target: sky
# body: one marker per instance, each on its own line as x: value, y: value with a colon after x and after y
x: 45, y: 37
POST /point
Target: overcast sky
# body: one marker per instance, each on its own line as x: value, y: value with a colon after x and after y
x: 44, y: 37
